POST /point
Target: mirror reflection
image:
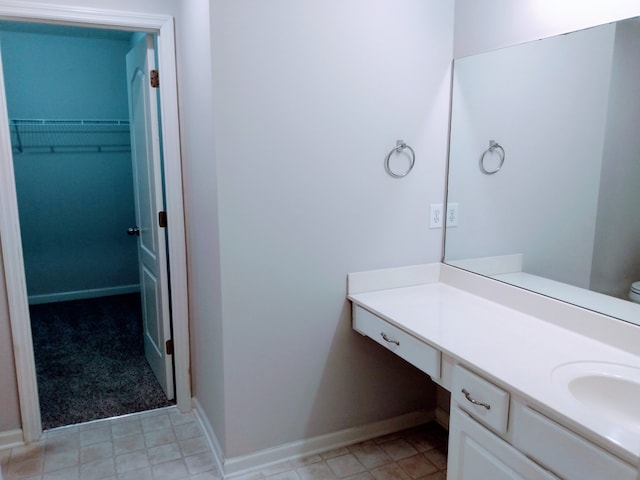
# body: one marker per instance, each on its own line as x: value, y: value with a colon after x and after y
x: 560, y: 216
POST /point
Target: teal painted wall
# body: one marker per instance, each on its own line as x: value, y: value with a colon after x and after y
x: 74, y: 208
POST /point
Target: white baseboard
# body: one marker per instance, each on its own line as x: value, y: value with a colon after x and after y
x: 234, y: 466
x: 11, y: 438
x: 82, y: 294
x: 210, y: 434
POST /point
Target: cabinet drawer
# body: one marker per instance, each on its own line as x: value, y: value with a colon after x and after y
x: 483, y: 400
x: 562, y: 451
x: 414, y: 351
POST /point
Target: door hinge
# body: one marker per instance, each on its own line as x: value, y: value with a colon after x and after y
x: 154, y: 77
x: 169, y: 347
x: 162, y: 219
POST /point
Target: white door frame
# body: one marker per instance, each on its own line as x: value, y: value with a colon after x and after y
x: 10, y: 241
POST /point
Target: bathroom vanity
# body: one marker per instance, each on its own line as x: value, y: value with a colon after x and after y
x: 539, y: 389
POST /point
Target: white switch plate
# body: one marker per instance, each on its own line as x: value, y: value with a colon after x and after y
x: 452, y: 214
x: 435, y: 215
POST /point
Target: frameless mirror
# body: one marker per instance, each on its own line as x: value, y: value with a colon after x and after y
x: 561, y: 215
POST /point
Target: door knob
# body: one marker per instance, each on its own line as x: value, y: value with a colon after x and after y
x: 133, y: 231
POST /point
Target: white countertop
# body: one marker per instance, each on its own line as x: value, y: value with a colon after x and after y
x: 509, y: 347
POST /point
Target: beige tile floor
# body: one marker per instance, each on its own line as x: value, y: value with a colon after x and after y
x: 167, y: 445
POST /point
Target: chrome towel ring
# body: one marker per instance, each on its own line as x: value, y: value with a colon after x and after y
x: 400, y: 147
x: 492, y: 147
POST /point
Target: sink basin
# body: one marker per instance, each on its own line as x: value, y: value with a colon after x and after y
x: 608, y: 389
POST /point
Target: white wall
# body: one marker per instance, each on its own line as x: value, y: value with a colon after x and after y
x: 546, y: 103
x: 616, y: 255
x: 491, y: 24
x: 309, y: 98
x: 201, y: 204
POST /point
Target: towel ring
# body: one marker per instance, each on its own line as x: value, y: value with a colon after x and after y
x: 492, y: 146
x: 400, y: 147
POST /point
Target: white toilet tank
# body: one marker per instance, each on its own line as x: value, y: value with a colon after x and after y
x: 634, y: 292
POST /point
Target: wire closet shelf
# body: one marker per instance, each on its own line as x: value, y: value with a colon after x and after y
x: 69, y: 136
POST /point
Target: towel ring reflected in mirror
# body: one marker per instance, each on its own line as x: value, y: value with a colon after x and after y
x: 399, y: 148
x: 493, y: 145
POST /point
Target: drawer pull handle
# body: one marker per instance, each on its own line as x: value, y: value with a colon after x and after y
x: 474, y: 401
x: 387, y: 339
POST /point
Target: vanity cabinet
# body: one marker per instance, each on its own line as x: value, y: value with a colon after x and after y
x: 494, y: 436
x: 479, y: 417
x: 493, y: 433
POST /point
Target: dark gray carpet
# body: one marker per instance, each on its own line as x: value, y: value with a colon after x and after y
x: 90, y: 360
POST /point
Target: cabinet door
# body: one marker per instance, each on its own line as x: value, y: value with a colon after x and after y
x: 477, y: 454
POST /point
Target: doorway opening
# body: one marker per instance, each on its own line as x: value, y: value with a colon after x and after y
x: 69, y: 119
